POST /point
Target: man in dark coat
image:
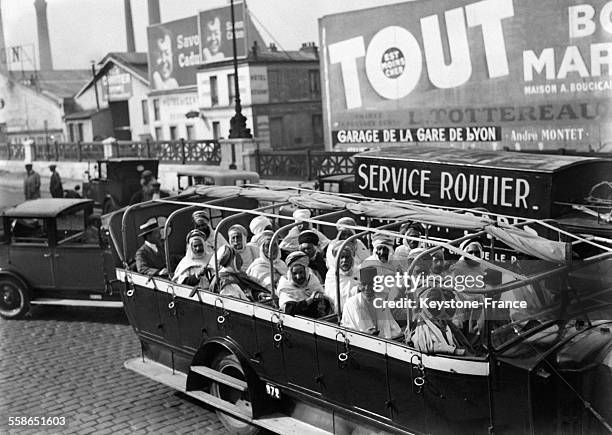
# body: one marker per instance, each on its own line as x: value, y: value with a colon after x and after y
x: 55, y: 184
x: 150, y: 257
x: 144, y: 193
x: 31, y: 183
x: 308, y: 241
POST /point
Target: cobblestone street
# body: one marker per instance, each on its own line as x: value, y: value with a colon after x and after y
x: 68, y: 362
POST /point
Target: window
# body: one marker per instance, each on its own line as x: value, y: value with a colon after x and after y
x: 145, y: 112
x: 71, y: 132
x: 189, y: 129
x: 156, y: 109
x: 69, y: 227
x: 216, y: 130
x: 214, y: 91
x: 231, y: 90
x: 274, y: 85
x: 158, y: 133
x: 314, y: 82
x: 80, y: 128
x: 173, y: 132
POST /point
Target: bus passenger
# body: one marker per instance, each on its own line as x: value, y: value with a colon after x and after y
x: 237, y: 235
x: 383, y: 260
x: 290, y: 242
x: 349, y: 279
x: 361, y: 314
x: 201, y: 222
x: 465, y: 267
x: 191, y: 270
x: 227, y: 282
x: 361, y: 252
x: 434, y: 331
x: 150, y: 257
x: 412, y: 230
x: 438, y: 263
x: 258, y: 225
x: 308, y: 242
x: 259, y: 269
x: 299, y: 291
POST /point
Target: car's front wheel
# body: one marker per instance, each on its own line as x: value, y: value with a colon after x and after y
x: 14, y: 298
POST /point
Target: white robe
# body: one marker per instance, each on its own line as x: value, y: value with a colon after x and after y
x: 289, y: 292
x: 356, y: 315
x: 348, y: 286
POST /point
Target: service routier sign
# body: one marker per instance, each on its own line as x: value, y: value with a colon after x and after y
x: 526, y: 74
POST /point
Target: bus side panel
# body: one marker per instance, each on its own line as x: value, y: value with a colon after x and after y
x: 456, y: 403
x: 300, y: 355
x: 368, y: 381
x: 335, y: 376
x: 270, y: 355
x: 407, y: 400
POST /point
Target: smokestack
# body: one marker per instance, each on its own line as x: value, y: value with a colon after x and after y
x: 129, y: 27
x: 44, y: 45
x: 154, y: 16
x: 3, y: 55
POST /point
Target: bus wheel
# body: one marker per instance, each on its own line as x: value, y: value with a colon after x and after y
x: 229, y: 365
x: 14, y: 299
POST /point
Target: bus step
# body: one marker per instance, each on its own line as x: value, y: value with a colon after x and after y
x: 78, y: 303
x: 278, y: 423
x: 222, y: 378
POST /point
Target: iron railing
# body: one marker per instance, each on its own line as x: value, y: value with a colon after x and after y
x: 182, y: 151
x: 302, y: 165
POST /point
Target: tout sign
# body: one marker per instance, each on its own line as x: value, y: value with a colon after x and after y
x: 534, y: 65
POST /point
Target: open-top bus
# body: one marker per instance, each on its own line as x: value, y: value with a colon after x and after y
x: 546, y: 370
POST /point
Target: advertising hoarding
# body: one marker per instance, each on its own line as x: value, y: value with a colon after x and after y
x: 174, y: 53
x: 116, y: 85
x: 524, y: 74
x: 215, y: 26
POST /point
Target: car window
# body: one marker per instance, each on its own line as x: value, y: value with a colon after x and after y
x: 70, y: 226
x: 103, y: 171
x: 207, y: 181
x: 25, y: 230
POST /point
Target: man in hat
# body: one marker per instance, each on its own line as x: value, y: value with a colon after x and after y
x: 201, y: 222
x: 150, y: 257
x: 290, y: 242
x: 308, y: 242
x: 146, y: 189
x: 361, y: 314
x: 31, y: 183
x: 300, y: 292
x: 55, y: 184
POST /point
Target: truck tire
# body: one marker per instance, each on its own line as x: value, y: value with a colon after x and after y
x: 229, y: 365
x: 14, y: 298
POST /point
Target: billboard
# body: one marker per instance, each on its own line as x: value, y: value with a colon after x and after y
x: 528, y: 74
x: 174, y: 53
x: 116, y: 85
x: 216, y: 33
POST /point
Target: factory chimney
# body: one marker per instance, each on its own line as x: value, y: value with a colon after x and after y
x: 44, y: 45
x: 129, y: 27
x: 3, y: 53
x: 154, y: 16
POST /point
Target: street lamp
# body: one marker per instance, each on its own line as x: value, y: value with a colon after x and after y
x: 238, y: 122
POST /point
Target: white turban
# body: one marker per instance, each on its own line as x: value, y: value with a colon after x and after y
x: 258, y: 224
x: 301, y: 213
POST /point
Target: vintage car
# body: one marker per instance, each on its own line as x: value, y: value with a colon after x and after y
x: 337, y: 183
x: 116, y: 181
x: 214, y: 176
x: 51, y: 254
x: 543, y: 369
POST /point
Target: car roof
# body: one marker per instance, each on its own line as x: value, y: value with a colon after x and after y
x: 128, y: 159
x: 44, y: 208
x: 337, y: 177
x: 219, y: 172
x: 544, y: 163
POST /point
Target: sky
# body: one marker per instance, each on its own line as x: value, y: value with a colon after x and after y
x: 85, y: 30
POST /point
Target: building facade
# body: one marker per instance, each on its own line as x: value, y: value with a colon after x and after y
x: 280, y: 96
x: 114, y: 103
x: 33, y: 104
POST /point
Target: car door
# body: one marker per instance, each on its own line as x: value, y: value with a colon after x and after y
x: 30, y: 254
x: 78, y: 259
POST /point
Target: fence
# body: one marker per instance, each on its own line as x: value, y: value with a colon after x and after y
x: 302, y: 165
x: 207, y: 151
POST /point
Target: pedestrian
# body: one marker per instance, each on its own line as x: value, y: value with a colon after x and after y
x: 31, y: 183
x: 55, y: 184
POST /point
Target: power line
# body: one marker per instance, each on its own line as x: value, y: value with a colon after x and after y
x: 252, y: 15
